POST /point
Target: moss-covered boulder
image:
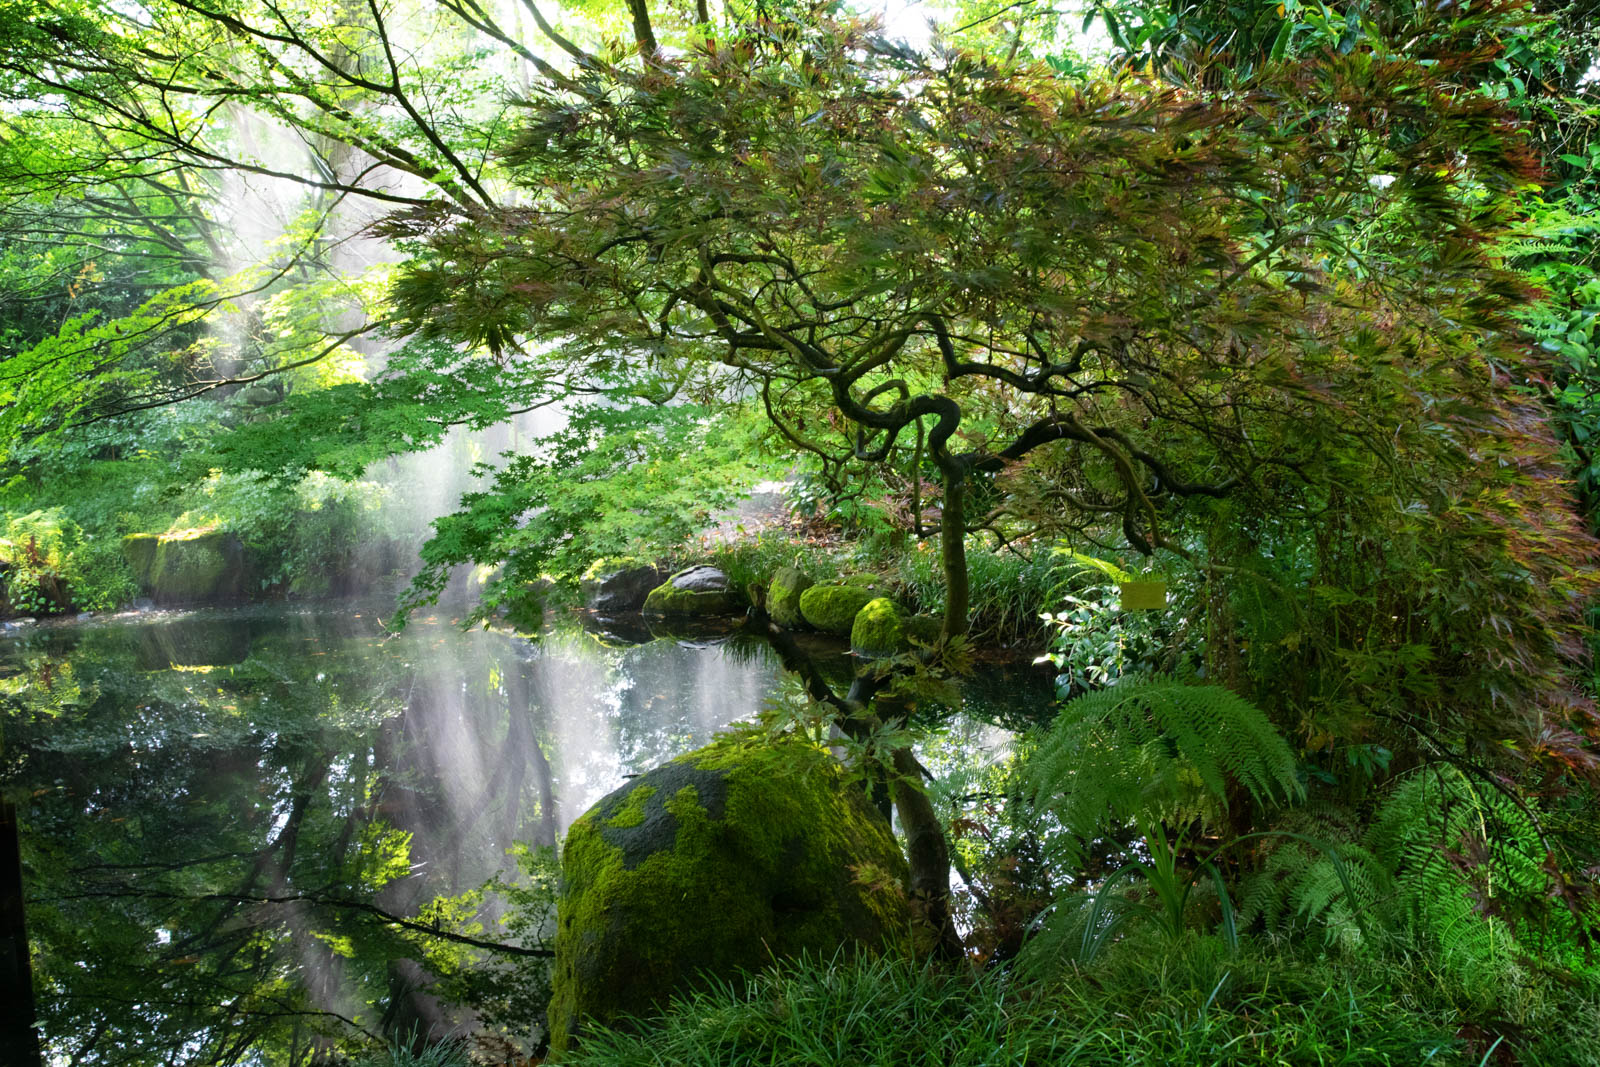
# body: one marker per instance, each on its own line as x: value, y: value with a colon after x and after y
x: 833, y: 607
x: 187, y: 566
x: 725, y: 859
x: 699, y: 590
x: 875, y: 582
x: 618, y: 583
x: 783, y: 597
x: 140, y: 551
x: 879, y: 628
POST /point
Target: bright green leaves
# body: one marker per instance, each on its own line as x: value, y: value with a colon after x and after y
x: 49, y: 383
x: 640, y: 481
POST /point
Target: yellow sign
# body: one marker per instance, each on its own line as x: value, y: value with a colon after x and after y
x: 1143, y: 596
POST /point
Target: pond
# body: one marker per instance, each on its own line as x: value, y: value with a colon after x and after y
x: 240, y: 830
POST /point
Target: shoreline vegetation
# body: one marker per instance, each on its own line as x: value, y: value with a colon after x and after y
x: 1240, y: 361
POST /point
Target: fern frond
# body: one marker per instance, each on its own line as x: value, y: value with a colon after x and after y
x: 1336, y: 884
x: 1456, y: 851
x: 1154, y: 749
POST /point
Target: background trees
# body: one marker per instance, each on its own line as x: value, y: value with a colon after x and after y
x: 1244, y: 311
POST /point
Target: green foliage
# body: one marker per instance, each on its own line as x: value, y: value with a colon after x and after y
x: 1190, y: 1005
x: 843, y: 1011
x: 1337, y: 892
x: 1470, y: 871
x: 1095, y: 643
x: 616, y: 481
x: 398, y: 1054
x: 754, y: 560
x: 35, y: 549
x: 1155, y: 749
x: 1011, y: 587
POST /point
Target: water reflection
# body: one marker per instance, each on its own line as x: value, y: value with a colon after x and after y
x: 223, y: 812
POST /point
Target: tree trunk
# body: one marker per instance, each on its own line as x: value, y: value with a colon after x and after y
x: 19, y: 1041
x: 927, y: 854
x: 953, y: 551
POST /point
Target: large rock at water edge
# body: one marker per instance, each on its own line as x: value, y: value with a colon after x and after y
x: 615, y: 585
x: 783, y: 597
x: 186, y: 566
x: 879, y: 628
x: 699, y: 590
x: 833, y: 607
x: 725, y: 859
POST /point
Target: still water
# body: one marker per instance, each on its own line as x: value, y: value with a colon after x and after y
x: 246, y: 834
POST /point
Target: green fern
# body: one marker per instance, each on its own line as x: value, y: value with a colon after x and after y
x: 1459, y: 853
x: 1154, y: 749
x: 1316, y: 876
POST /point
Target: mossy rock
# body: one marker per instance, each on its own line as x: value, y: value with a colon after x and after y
x: 720, y: 861
x: 879, y: 628
x: 783, y: 597
x: 694, y: 591
x: 616, y: 584
x: 140, y: 551
x: 187, y: 566
x: 833, y: 607
x: 868, y: 581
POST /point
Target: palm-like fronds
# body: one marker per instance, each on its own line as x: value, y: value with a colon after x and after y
x: 1154, y: 749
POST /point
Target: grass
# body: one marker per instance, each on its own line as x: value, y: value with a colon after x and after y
x: 1008, y: 590
x: 452, y: 1053
x: 756, y: 559
x: 1193, y: 1005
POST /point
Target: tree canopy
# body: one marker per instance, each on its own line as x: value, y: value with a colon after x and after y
x: 1255, y: 305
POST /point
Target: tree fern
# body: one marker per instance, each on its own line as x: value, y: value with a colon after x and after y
x: 1151, y: 749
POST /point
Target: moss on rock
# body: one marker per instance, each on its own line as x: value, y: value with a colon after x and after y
x: 833, y: 607
x: 724, y: 859
x: 879, y: 628
x: 183, y: 566
x: 783, y: 597
x: 672, y: 598
x: 140, y: 551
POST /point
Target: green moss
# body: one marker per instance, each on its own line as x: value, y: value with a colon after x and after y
x: 665, y: 600
x: 190, y: 565
x: 783, y: 598
x: 833, y: 607
x: 724, y: 859
x: 185, y: 565
x: 879, y: 628
x: 631, y: 813
x: 140, y: 551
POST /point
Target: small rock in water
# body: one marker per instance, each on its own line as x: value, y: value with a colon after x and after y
x: 17, y: 624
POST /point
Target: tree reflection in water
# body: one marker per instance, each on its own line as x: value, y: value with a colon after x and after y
x: 235, y: 824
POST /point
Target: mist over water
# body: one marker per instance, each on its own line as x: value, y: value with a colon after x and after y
x: 197, y: 786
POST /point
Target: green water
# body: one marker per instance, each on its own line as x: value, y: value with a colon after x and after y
x: 223, y: 812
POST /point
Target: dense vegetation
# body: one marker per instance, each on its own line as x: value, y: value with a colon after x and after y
x: 1291, y: 307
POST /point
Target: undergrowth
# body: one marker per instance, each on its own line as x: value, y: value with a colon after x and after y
x: 1144, y: 1004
